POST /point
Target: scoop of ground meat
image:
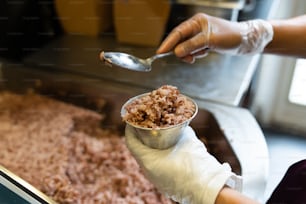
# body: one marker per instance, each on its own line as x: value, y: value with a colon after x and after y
x: 160, y: 108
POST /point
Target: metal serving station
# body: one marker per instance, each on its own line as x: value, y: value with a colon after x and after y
x: 69, y: 65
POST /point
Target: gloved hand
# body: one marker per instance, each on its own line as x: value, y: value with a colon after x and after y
x: 186, y: 172
x: 202, y: 33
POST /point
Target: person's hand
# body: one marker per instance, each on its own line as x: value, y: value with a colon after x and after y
x: 202, y: 33
x: 186, y: 172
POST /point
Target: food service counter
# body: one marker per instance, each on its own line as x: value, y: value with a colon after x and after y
x: 218, y: 78
x: 231, y: 133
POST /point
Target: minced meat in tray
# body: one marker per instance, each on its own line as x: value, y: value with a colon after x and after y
x: 62, y: 150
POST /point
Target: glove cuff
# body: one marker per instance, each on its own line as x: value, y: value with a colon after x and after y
x: 214, y: 187
x: 256, y: 34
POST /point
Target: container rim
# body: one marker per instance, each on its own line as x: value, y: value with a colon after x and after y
x: 123, y: 111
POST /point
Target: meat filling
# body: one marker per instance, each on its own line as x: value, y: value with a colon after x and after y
x: 161, y: 108
x: 62, y: 150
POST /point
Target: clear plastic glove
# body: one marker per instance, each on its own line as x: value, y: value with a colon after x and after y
x: 186, y: 172
x: 202, y: 33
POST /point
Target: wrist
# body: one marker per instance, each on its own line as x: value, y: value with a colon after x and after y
x: 229, y: 195
x: 214, y: 187
x: 205, y: 186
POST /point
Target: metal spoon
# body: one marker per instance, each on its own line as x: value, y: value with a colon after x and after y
x: 131, y: 62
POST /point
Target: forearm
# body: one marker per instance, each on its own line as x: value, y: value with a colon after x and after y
x: 231, y: 196
x: 289, y: 37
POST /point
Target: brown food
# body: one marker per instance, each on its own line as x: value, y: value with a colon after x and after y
x: 62, y: 150
x: 161, y: 108
x: 106, y: 61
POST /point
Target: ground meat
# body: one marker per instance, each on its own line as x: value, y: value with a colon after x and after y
x: 161, y: 108
x: 62, y: 150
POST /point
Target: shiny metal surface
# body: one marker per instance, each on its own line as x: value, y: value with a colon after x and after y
x: 69, y: 67
x: 131, y: 62
x: 159, y: 138
x: 228, y: 4
x: 22, y: 188
x: 218, y: 78
x: 230, y: 133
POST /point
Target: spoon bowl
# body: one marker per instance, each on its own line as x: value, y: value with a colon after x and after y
x: 131, y: 62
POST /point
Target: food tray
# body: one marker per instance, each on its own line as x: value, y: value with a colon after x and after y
x: 231, y: 134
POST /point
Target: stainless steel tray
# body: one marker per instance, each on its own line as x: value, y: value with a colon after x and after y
x: 231, y: 133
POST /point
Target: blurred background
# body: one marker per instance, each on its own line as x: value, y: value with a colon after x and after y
x: 64, y: 38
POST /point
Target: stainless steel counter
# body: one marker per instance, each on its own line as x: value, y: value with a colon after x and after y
x: 231, y: 133
x: 217, y: 78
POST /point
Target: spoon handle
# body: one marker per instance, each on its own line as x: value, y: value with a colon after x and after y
x: 161, y: 55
